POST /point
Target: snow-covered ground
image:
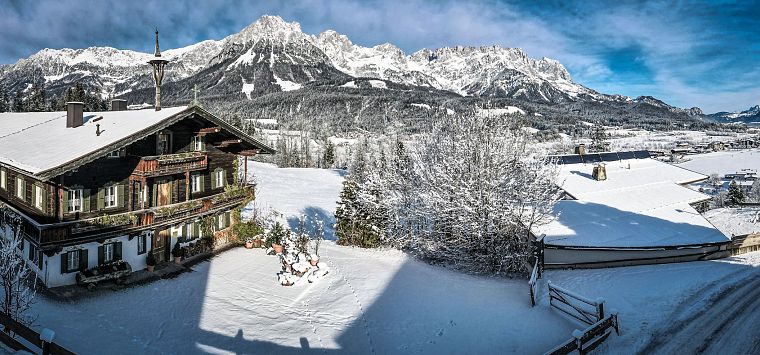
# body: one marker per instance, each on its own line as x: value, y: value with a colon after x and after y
x: 376, y: 301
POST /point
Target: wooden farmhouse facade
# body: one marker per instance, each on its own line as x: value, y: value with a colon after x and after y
x: 89, y: 188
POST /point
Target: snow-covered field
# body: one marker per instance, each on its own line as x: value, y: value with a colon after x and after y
x: 374, y: 301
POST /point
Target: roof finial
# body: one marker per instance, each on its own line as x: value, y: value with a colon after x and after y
x: 195, y: 101
x: 158, y: 50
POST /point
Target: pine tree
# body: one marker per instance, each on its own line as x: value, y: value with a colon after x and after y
x: 735, y: 193
x: 36, y: 100
x: 5, y: 105
x: 18, y: 102
x: 328, y: 157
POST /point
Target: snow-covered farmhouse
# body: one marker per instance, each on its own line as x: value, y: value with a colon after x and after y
x: 91, y: 188
x: 637, y: 211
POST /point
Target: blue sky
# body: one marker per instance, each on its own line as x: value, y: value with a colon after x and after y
x: 704, y: 54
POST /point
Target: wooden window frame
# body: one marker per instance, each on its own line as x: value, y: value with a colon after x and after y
x: 111, y: 200
x: 142, y: 244
x: 20, y: 188
x: 39, y: 197
x: 75, y: 204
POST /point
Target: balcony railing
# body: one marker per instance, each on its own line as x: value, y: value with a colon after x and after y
x: 138, y: 220
x: 168, y: 164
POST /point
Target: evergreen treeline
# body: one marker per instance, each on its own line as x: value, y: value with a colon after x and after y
x: 35, y: 99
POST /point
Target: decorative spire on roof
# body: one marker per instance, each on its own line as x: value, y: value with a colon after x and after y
x: 158, y: 65
x: 157, y: 53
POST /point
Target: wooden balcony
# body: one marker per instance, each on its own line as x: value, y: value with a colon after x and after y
x: 169, y: 164
x: 107, y: 226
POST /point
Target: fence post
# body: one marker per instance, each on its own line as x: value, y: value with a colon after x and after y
x: 600, y: 309
x: 46, y: 335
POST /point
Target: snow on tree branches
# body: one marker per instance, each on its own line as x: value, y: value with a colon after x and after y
x: 466, y: 195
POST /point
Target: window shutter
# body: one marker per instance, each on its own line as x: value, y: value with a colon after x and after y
x: 64, y: 263
x: 101, y: 198
x: 213, y: 179
x: 154, y: 191
x: 45, y: 198
x: 86, y: 200
x: 202, y: 183
x: 224, y: 178
x: 83, y: 259
x: 101, y: 255
x: 197, y: 226
x: 228, y: 219
x: 120, y: 195
x: 117, y: 251
x: 65, y: 202
x: 34, y: 195
x: 203, y: 144
x: 122, y: 152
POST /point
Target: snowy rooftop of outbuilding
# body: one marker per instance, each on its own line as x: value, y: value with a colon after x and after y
x: 642, y: 203
x: 735, y: 221
x: 39, y: 141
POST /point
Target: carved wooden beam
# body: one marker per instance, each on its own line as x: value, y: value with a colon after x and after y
x: 227, y: 143
x: 208, y: 130
x: 249, y: 153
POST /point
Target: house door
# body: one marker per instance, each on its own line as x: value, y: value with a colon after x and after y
x: 160, y: 240
x: 163, y: 192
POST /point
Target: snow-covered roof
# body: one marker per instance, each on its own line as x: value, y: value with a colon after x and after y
x: 735, y: 221
x: 642, y: 203
x: 36, y: 142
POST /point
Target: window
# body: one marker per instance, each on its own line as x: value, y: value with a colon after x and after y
x: 73, y: 257
x: 21, y: 188
x: 39, y: 197
x: 107, y: 253
x: 75, y: 201
x: 163, y: 143
x: 35, y: 256
x: 219, y: 178
x: 199, y: 143
x: 109, y: 199
x: 142, y: 243
x: 220, y: 222
x: 197, y: 183
x: 3, y: 179
x: 190, y: 231
x: 74, y: 260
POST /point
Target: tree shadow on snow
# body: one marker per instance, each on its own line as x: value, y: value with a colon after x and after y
x: 312, y: 214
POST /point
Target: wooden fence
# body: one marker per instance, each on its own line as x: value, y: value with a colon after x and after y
x: 588, y: 339
x: 579, y: 307
x: 32, y: 337
x: 532, y: 283
x: 587, y: 311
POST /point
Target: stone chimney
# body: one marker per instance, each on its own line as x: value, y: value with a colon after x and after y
x: 74, y: 114
x: 600, y: 172
x: 118, y: 105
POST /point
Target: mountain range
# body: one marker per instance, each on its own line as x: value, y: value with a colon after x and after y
x: 272, y: 68
x: 751, y: 115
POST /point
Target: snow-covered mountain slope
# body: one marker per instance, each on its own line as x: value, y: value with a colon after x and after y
x: 751, y: 115
x: 273, y: 56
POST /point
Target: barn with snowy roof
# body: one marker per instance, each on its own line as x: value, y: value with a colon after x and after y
x: 626, y: 208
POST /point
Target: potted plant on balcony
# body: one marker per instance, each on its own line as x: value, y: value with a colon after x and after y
x: 150, y: 260
x: 249, y: 243
x: 177, y: 254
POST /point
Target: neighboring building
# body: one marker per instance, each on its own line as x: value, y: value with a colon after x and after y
x: 88, y: 188
x: 641, y: 213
